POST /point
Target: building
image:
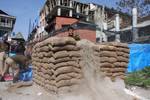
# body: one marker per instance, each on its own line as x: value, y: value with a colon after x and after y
x: 7, y: 23
x: 143, y: 32
x: 88, y: 19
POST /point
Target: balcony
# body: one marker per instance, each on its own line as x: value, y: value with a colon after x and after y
x: 6, y: 25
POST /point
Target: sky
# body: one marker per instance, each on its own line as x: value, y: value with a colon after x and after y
x: 24, y: 10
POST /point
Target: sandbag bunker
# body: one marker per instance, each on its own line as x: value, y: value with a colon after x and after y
x: 113, y: 58
x: 56, y: 64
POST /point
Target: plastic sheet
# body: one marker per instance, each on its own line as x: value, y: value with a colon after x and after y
x: 139, y: 57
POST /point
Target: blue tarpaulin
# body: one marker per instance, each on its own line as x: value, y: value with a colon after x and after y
x: 139, y: 57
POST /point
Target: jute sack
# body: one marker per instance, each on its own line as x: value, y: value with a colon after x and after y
x: 66, y: 47
x: 74, y: 54
x: 107, y: 65
x: 125, y: 50
x: 126, y: 55
x: 47, y: 54
x: 61, y: 54
x: 120, y: 69
x: 51, y: 60
x: 46, y: 66
x: 96, y: 48
x: 107, y: 70
x: 120, y: 53
x: 122, y: 77
x: 75, y: 75
x: 123, y: 54
x: 107, y: 48
x: 67, y: 69
x: 68, y: 76
x: 44, y: 49
x: 66, y: 59
x: 63, y: 77
x: 118, y: 74
x: 108, y: 54
x: 40, y: 55
x: 47, y: 76
x: 57, y: 41
x: 46, y: 60
x: 108, y: 59
x: 64, y: 83
x: 122, y: 59
x: 69, y: 63
x: 52, y: 82
x: 108, y: 74
x: 116, y: 44
x: 121, y: 64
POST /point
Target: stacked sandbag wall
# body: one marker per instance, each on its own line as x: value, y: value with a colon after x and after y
x: 56, y: 64
x: 113, y: 58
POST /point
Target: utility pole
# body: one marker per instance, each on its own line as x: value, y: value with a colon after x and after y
x: 117, y: 27
x: 134, y: 24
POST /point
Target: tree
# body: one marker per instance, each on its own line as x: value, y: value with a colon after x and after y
x: 143, y: 6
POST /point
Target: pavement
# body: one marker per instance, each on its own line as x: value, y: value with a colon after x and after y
x: 24, y: 93
x: 37, y: 93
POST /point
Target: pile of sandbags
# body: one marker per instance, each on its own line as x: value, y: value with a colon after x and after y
x: 113, y: 58
x: 56, y: 63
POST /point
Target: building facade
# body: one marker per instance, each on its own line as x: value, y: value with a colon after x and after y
x: 7, y: 23
x: 58, y: 15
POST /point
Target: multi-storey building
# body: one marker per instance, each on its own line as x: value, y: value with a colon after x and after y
x: 7, y: 23
x: 57, y: 15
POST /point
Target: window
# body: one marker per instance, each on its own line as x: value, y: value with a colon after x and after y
x: 65, y: 25
x: 3, y: 20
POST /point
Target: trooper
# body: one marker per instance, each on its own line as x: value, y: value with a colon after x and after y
x: 72, y: 34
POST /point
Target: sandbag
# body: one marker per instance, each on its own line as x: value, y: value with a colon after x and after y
x: 47, y: 76
x: 47, y: 54
x: 123, y: 54
x: 121, y: 64
x: 75, y: 75
x: 108, y: 59
x: 118, y: 74
x: 120, y: 69
x: 63, y: 77
x: 51, y: 60
x: 122, y: 59
x: 125, y: 50
x: 107, y: 69
x: 116, y: 44
x: 66, y: 47
x: 69, y: 63
x: 61, y: 54
x: 46, y: 66
x: 96, y: 48
x: 74, y: 54
x: 106, y: 64
x: 66, y: 59
x: 107, y: 48
x: 44, y: 49
x: 67, y: 69
x: 55, y: 41
x: 108, y: 54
